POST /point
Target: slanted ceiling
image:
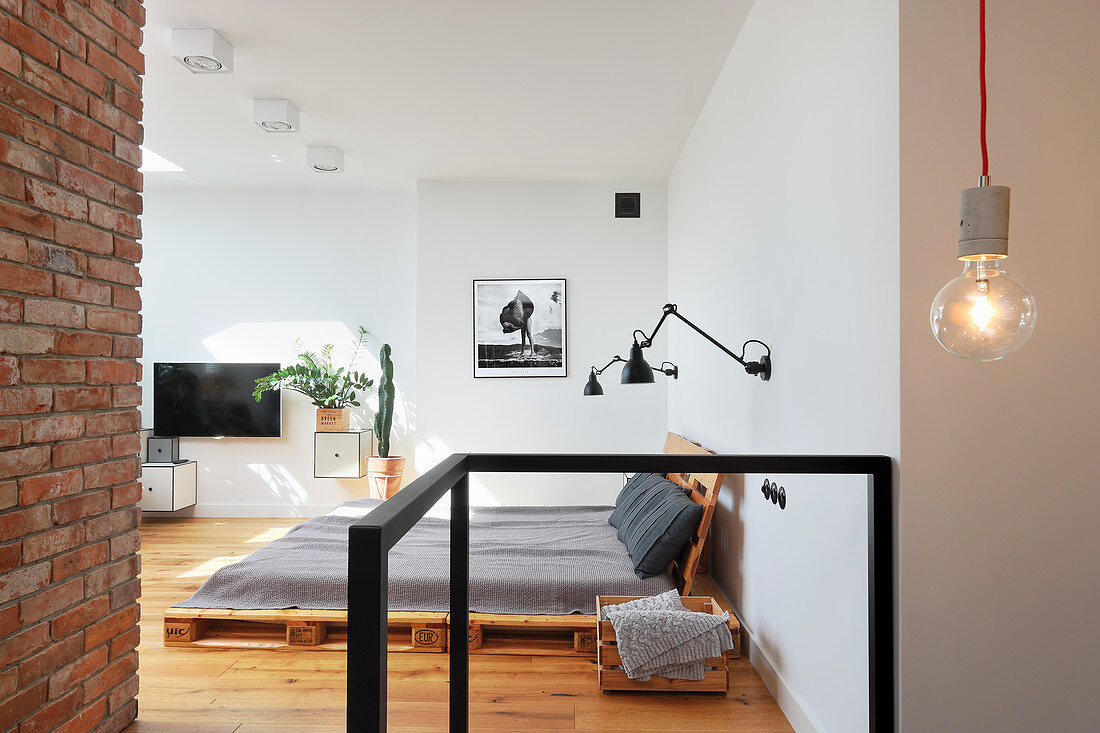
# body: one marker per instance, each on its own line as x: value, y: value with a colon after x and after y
x: 436, y: 89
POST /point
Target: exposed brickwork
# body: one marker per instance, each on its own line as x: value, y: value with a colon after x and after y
x: 70, y: 325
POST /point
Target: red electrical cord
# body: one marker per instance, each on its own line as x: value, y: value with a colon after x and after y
x: 981, y: 81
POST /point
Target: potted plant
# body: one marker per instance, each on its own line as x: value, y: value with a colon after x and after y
x: 333, y: 391
x: 385, y: 471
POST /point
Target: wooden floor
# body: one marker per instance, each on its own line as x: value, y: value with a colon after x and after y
x: 223, y: 691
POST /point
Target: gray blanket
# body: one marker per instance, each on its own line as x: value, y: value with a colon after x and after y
x: 526, y: 560
x: 658, y: 636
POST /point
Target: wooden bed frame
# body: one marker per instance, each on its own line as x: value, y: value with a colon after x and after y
x: 489, y: 633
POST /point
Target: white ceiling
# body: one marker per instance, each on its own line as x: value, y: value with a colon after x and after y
x: 437, y: 89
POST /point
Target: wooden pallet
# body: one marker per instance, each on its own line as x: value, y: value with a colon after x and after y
x: 293, y: 628
x: 408, y: 631
x: 612, y: 677
x: 539, y: 635
x: 489, y: 633
x: 571, y: 635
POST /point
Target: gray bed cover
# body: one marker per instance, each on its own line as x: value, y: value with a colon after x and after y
x: 525, y: 560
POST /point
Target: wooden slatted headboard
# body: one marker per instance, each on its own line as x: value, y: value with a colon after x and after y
x: 703, y: 488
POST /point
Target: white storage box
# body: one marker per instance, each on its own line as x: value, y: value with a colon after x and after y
x: 168, y: 487
x: 342, y: 455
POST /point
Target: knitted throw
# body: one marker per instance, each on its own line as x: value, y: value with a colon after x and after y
x: 658, y: 636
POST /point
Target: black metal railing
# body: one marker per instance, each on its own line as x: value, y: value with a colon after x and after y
x: 371, y: 538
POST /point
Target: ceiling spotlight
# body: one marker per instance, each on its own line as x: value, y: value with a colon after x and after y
x: 275, y: 115
x: 325, y: 158
x: 202, y: 50
x: 202, y: 63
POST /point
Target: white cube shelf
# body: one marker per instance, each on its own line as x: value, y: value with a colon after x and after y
x: 342, y: 455
x: 168, y: 487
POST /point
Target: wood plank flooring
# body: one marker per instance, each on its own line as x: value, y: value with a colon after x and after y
x: 185, y: 690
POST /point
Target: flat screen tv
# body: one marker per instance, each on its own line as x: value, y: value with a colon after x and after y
x: 193, y: 400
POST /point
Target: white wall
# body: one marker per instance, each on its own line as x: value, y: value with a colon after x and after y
x: 783, y: 226
x: 615, y: 272
x: 238, y: 275
x: 234, y: 275
x: 1000, y: 508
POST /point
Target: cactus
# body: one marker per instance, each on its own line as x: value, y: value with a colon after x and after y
x: 383, y: 419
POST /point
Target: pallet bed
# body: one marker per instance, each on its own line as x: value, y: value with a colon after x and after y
x: 537, y: 635
x: 424, y: 631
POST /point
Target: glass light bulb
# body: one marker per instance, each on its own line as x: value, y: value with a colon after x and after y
x: 984, y: 314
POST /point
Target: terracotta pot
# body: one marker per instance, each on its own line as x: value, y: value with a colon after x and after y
x: 333, y: 420
x: 384, y: 475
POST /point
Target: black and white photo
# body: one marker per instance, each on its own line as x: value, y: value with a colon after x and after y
x: 519, y: 328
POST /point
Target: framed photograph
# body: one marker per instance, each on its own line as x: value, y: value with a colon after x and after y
x: 519, y: 328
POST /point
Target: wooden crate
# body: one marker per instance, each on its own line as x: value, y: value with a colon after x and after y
x: 612, y: 676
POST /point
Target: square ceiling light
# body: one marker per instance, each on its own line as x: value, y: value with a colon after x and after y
x: 325, y: 158
x: 275, y: 115
x: 202, y: 50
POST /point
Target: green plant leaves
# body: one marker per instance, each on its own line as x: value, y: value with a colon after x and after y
x: 316, y: 377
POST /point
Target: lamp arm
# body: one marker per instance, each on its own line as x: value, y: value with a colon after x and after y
x: 761, y: 368
x: 671, y: 310
x: 739, y: 359
x: 647, y: 341
x: 601, y: 370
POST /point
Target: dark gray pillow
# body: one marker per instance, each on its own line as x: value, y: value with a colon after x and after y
x: 645, y: 493
x: 634, y: 504
x: 656, y: 530
x: 629, y: 495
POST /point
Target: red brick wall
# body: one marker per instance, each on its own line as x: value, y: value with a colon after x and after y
x: 70, y: 195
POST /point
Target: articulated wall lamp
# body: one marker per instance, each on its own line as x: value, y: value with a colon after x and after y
x: 638, y: 371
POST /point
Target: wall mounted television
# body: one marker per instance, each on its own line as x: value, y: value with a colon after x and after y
x: 213, y: 400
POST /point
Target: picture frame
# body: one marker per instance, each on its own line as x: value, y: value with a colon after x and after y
x: 520, y: 327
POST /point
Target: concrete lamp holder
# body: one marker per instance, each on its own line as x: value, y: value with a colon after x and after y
x: 983, y: 222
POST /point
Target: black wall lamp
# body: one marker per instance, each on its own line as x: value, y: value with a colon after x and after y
x: 638, y: 371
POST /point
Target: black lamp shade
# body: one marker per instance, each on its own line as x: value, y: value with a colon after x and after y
x: 637, y: 369
x: 593, y: 387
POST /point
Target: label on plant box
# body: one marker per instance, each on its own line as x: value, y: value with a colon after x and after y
x: 333, y: 421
